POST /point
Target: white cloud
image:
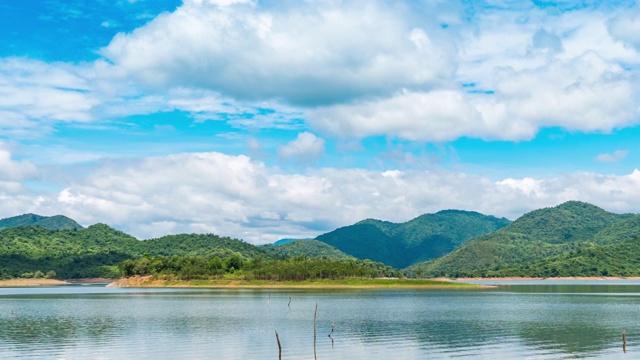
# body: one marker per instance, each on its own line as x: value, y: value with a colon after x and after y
x: 349, y: 69
x: 435, y: 115
x: 612, y: 157
x: 301, y: 52
x: 13, y: 170
x: 33, y: 92
x: 626, y: 27
x: 306, y: 148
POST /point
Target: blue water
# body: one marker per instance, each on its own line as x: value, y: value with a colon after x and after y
x: 520, y: 321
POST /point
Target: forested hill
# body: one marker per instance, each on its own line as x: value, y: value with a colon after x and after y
x: 57, y: 222
x: 309, y: 248
x: 96, y: 250
x: 535, y: 236
x: 402, y: 244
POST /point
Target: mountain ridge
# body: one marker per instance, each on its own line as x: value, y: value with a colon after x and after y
x: 402, y: 244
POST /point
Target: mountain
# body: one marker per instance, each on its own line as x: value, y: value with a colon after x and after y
x: 402, y: 244
x: 94, y: 251
x: 89, y: 252
x: 621, y: 259
x: 287, y: 241
x: 57, y: 222
x: 310, y: 248
x: 205, y: 245
x: 532, y: 237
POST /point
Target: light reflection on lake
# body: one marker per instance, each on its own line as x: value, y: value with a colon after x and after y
x: 522, y: 321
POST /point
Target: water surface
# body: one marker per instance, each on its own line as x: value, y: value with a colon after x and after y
x: 521, y: 321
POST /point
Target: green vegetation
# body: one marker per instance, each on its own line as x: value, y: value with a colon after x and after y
x: 57, y: 222
x: 298, y: 268
x: 572, y: 239
x: 287, y: 241
x: 96, y: 250
x: 535, y: 236
x: 346, y: 283
x: 310, y: 248
x: 426, y: 237
x: 622, y: 260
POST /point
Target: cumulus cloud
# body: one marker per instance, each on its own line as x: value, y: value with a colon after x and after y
x: 240, y: 197
x: 554, y: 69
x: 306, y: 148
x: 612, y: 157
x: 435, y: 115
x: 302, y: 53
x: 350, y: 69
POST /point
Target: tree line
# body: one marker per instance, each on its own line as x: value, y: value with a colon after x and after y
x: 297, y: 268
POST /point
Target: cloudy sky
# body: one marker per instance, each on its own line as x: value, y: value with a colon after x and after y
x: 269, y: 119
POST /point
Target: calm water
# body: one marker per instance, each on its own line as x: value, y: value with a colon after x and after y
x: 527, y: 322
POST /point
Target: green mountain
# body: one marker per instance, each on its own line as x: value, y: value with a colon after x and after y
x: 310, y: 248
x: 57, y: 222
x: 621, y: 259
x: 205, y: 245
x: 89, y: 252
x: 94, y: 251
x: 534, y: 236
x: 425, y: 237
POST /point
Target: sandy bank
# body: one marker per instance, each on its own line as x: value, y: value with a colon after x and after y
x: 31, y: 282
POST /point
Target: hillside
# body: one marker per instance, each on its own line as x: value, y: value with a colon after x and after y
x: 534, y: 236
x: 402, y: 244
x: 94, y: 251
x: 205, y: 245
x: 310, y: 248
x: 622, y: 259
x: 68, y: 253
x: 57, y: 222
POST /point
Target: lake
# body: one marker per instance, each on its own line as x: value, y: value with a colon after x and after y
x: 531, y: 321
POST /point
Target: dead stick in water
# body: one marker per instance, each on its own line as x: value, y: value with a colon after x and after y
x: 332, y: 324
x: 289, y: 304
x: 624, y: 341
x: 279, y: 346
x: 314, y: 331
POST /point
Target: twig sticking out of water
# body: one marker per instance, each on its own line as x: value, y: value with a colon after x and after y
x: 624, y: 341
x: 289, y: 304
x: 332, y: 325
x: 279, y: 346
x: 314, y: 332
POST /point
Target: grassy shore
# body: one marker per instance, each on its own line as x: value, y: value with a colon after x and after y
x: 31, y: 282
x: 350, y: 283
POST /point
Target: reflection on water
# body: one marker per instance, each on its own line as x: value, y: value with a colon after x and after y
x: 532, y: 321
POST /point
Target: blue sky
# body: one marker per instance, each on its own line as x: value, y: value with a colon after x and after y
x: 269, y: 119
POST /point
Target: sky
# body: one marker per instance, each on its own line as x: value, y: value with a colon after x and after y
x: 263, y: 119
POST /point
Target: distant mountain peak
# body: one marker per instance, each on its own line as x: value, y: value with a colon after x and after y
x: 56, y: 222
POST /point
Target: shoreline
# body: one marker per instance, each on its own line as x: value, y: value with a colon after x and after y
x: 149, y: 282
x: 31, y: 282
x: 560, y: 278
x: 22, y: 282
